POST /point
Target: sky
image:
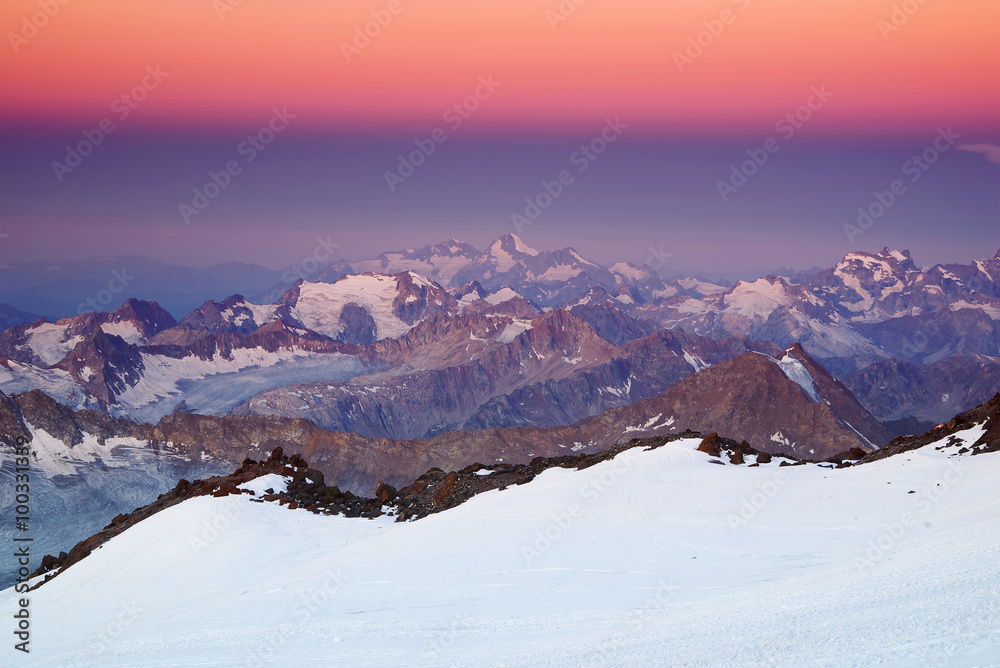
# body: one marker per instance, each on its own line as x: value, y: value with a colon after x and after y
x: 650, y: 111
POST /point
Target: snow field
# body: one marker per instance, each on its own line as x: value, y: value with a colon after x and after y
x: 654, y: 558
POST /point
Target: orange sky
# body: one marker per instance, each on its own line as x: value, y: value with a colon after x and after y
x: 941, y: 67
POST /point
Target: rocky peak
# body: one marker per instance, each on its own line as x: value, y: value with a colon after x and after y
x: 418, y: 298
x: 105, y: 364
x: 902, y: 258
x: 149, y: 317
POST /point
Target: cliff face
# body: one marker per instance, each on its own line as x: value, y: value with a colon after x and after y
x: 60, y: 421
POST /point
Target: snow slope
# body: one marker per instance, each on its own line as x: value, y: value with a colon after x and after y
x: 51, y: 342
x: 654, y: 558
x: 76, y: 490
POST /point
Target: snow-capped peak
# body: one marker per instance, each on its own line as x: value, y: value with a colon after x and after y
x: 901, y: 257
x: 628, y: 270
x: 507, y: 251
x: 523, y: 247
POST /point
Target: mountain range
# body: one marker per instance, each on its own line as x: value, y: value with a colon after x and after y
x: 455, y: 338
x: 446, y: 356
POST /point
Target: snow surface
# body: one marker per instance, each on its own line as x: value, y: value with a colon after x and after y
x: 628, y: 270
x: 500, y: 258
x: 440, y: 267
x: 757, y: 298
x: 125, y: 329
x: 272, y: 481
x: 53, y: 457
x: 261, y: 314
x: 500, y: 296
x: 881, y: 271
x: 703, y: 288
x: 523, y: 247
x: 992, y: 311
x: 899, y: 257
x: 51, y: 342
x: 56, y: 383
x: 796, y: 372
x: 220, y: 384
x: 513, y: 330
x: 655, y: 558
x: 696, y: 363
x: 559, y: 273
x: 319, y: 304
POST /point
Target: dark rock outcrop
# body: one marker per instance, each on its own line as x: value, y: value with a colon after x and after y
x: 987, y: 413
